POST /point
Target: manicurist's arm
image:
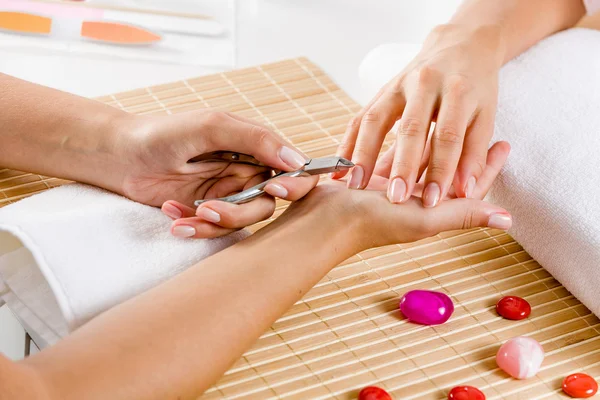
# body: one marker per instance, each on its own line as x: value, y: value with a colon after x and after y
x: 176, y: 340
x: 143, y: 157
x: 522, y: 23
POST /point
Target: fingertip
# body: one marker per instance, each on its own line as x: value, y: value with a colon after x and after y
x: 357, y: 177
x: 171, y: 210
x: 183, y: 230
x: 277, y: 190
x: 500, y: 220
x: 208, y: 214
x: 338, y: 175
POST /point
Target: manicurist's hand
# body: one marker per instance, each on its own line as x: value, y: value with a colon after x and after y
x: 143, y: 157
x: 159, y: 169
x: 453, y: 81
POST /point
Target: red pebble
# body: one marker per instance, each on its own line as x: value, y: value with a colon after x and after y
x: 580, y: 386
x: 465, y: 393
x: 373, y: 393
x: 513, y: 307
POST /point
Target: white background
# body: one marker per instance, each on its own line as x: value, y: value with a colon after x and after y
x: 335, y: 34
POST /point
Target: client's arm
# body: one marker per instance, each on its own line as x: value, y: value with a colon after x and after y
x: 177, y: 339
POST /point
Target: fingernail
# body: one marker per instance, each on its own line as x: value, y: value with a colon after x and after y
x: 356, y: 177
x: 431, y: 195
x: 277, y: 190
x: 183, y: 231
x: 171, y: 211
x: 208, y: 214
x: 292, y: 158
x: 397, y: 190
x: 470, y: 187
x: 500, y: 221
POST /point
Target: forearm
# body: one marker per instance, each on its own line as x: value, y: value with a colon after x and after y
x: 174, y: 341
x: 521, y: 23
x: 54, y: 133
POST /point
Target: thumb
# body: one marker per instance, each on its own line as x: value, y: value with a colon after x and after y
x: 465, y: 214
x: 230, y: 132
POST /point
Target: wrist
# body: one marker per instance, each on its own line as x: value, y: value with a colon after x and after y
x: 487, y: 40
x: 330, y: 218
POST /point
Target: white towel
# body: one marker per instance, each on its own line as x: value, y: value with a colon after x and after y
x: 549, y: 110
x: 73, y: 252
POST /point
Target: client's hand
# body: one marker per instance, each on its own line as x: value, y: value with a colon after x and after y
x: 158, y: 167
x: 373, y: 221
x: 380, y: 222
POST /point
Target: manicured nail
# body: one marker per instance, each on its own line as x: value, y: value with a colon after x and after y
x: 431, y: 195
x: 500, y: 221
x: 183, y: 231
x: 470, y: 187
x: 397, y: 190
x: 208, y: 214
x: 277, y: 190
x: 171, y: 211
x: 356, y: 177
x: 292, y: 158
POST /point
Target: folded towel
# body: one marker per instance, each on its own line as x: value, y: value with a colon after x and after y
x: 549, y: 104
x: 73, y: 252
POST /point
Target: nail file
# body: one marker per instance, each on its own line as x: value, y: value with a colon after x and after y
x: 161, y: 23
x: 101, y: 31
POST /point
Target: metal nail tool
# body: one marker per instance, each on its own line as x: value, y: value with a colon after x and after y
x: 314, y: 166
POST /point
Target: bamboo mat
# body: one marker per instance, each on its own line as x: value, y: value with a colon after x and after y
x: 347, y: 332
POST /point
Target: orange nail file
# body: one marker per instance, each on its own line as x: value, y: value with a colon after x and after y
x: 102, y: 31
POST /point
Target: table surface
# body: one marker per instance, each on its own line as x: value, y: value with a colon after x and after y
x: 335, y: 34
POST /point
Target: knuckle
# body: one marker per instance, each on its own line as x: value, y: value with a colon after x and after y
x: 468, y: 220
x: 411, y: 127
x: 447, y: 135
x: 401, y: 166
x: 396, y: 86
x: 478, y: 164
x: 363, y: 153
x: 354, y: 123
x: 438, y: 168
x: 426, y: 76
x: 215, y: 118
x: 372, y: 116
x: 261, y: 136
x: 458, y: 86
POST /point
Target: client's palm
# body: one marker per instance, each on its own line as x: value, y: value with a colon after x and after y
x: 385, y: 223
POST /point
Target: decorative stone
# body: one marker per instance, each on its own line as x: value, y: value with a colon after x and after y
x: 465, y: 393
x: 580, y: 386
x: 513, y: 307
x: 520, y: 357
x: 374, y: 393
x: 426, y: 307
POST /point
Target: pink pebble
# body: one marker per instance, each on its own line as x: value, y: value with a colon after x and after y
x: 520, y: 357
x: 426, y: 307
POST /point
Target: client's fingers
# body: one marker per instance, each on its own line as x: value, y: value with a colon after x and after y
x: 217, y: 218
x: 197, y: 228
x: 496, y: 158
x: 289, y: 188
x: 175, y: 210
x: 236, y: 216
x: 464, y: 214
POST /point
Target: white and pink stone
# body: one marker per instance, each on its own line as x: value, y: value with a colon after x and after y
x: 520, y: 357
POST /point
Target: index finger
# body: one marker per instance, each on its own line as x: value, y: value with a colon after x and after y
x: 225, y: 132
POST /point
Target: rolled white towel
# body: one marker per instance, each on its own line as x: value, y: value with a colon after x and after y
x: 549, y: 110
x: 70, y: 253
